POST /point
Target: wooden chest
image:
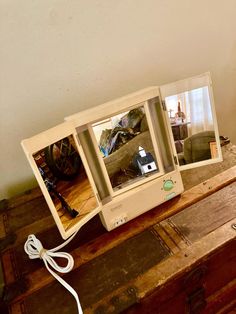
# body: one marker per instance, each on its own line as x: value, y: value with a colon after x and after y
x: 177, y: 258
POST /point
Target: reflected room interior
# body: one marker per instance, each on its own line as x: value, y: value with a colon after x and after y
x: 66, y: 181
x: 192, y: 126
x: 126, y: 147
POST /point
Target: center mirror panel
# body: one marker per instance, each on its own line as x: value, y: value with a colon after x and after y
x: 126, y: 148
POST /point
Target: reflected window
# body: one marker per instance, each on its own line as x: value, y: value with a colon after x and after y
x: 192, y: 125
x: 126, y: 147
x: 192, y: 107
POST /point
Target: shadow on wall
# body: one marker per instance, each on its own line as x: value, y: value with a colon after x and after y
x: 226, y: 109
x: 23, y: 185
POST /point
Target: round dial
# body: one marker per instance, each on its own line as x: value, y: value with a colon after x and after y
x: 168, y: 185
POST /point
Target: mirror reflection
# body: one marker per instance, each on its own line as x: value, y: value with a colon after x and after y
x: 126, y: 147
x: 192, y: 125
x: 65, y: 178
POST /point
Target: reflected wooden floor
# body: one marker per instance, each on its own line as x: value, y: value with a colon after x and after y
x: 79, y: 195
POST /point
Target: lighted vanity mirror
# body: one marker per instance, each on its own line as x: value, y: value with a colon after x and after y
x: 191, y: 115
x: 124, y: 157
x: 63, y: 179
x: 125, y: 143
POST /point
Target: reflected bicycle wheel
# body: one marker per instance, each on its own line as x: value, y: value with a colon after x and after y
x: 63, y: 159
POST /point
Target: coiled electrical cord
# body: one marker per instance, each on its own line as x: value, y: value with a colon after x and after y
x: 33, y: 247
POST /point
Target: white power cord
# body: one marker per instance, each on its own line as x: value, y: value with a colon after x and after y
x: 33, y: 247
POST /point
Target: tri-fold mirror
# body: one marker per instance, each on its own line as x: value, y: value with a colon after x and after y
x: 108, y: 154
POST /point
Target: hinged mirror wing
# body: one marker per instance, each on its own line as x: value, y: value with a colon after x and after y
x: 190, y: 112
x: 61, y: 169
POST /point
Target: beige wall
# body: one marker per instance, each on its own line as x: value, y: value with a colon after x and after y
x: 60, y: 56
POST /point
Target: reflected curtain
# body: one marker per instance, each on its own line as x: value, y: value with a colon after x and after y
x: 198, y: 109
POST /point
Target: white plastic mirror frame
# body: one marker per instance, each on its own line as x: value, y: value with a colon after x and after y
x: 187, y: 85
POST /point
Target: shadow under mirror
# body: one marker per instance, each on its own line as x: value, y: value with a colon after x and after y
x: 65, y: 178
x: 192, y: 125
x: 125, y: 144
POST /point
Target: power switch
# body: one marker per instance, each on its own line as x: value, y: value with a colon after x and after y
x: 168, y: 185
